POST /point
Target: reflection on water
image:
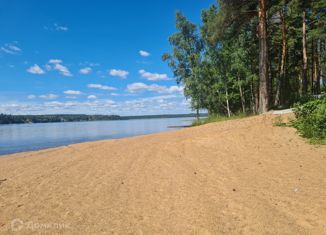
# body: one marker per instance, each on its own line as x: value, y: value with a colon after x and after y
x: 26, y: 137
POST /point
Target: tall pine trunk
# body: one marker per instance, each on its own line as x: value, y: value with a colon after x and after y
x: 254, y: 95
x: 227, y: 100
x: 243, y: 100
x: 312, y: 73
x: 197, y: 114
x: 279, y: 97
x: 263, y: 58
x: 304, y: 54
x: 316, y: 66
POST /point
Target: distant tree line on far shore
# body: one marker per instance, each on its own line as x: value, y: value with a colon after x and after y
x: 19, y: 119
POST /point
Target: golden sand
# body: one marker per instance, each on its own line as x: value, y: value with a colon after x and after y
x: 236, y: 177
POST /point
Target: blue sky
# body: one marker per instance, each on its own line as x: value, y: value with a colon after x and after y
x: 94, y: 57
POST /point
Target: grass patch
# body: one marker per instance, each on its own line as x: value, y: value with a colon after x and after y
x: 278, y: 121
x: 217, y: 118
x: 317, y: 141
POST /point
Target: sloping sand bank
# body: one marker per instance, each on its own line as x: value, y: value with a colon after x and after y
x: 236, y: 177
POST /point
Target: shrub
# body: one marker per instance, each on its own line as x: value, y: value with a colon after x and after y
x: 311, y: 119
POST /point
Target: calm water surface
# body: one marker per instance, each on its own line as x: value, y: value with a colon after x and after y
x: 27, y: 137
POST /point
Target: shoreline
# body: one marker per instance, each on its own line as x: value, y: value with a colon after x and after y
x: 22, y: 139
x: 240, y: 176
x: 170, y: 129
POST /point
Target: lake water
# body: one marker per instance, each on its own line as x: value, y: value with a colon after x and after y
x: 26, y: 137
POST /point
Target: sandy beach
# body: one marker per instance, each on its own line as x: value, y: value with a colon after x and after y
x: 237, y: 177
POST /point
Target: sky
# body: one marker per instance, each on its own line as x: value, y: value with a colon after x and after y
x: 90, y: 57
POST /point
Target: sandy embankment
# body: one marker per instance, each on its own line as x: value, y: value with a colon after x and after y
x: 236, y: 177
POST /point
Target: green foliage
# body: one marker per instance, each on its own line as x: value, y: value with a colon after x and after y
x: 217, y: 62
x: 311, y: 119
x: 186, y: 60
x: 304, y: 99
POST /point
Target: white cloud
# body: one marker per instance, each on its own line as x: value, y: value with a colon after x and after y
x: 62, y: 70
x: 139, y: 86
x: 175, y: 89
x: 48, y: 96
x: 156, y: 105
x: 153, y: 76
x: 161, y: 104
x: 101, y: 87
x: 119, y: 73
x: 11, y: 48
x: 35, y: 69
x: 30, y: 97
x: 94, y: 64
x: 85, y: 70
x: 144, y: 53
x: 58, y: 27
x: 72, y: 92
x: 91, y: 97
x: 55, y: 61
x: 160, y: 98
x: 71, y: 97
x: 56, y: 64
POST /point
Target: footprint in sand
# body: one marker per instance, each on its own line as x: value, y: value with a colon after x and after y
x: 3, y: 180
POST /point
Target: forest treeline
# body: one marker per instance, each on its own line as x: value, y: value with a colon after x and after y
x: 19, y: 119
x: 250, y: 56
